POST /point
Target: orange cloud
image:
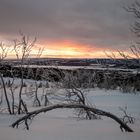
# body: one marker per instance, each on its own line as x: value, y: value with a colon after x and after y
x: 67, y: 49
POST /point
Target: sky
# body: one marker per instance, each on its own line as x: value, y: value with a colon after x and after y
x: 68, y: 28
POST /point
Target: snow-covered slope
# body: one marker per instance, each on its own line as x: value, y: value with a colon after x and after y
x: 61, y: 124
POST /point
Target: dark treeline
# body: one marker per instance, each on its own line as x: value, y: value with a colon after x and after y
x: 126, y: 81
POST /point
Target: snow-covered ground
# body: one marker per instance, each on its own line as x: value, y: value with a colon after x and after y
x: 79, y: 67
x: 61, y: 124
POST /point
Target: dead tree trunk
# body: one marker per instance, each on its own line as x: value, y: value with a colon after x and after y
x: 32, y: 114
x: 6, y: 96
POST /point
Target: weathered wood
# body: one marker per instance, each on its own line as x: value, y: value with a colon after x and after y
x: 86, y: 108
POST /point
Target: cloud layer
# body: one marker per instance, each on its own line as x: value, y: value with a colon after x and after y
x: 100, y: 23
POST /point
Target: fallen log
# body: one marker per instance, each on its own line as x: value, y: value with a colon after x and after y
x: 86, y: 108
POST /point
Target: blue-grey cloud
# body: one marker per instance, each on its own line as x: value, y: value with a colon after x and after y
x: 94, y: 22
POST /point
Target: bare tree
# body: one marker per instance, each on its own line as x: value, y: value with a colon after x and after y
x: 127, y: 118
x: 75, y: 86
x: 127, y: 82
x: 22, y: 49
x: 3, y: 54
x: 32, y: 114
x: 134, y: 8
x: 12, y: 88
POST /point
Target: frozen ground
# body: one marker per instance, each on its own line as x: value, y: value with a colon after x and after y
x: 79, y: 67
x: 61, y: 124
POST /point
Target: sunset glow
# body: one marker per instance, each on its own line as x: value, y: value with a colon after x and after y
x: 68, y: 49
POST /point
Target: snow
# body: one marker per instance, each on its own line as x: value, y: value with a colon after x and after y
x: 78, y: 67
x: 62, y: 124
